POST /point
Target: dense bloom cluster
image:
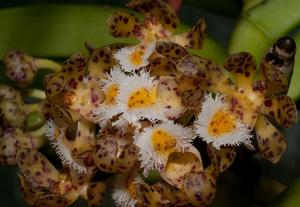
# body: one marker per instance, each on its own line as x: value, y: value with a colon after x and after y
x: 133, y: 111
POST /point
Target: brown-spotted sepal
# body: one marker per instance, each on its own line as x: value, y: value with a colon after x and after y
x: 206, y: 72
x: 20, y: 68
x: 222, y: 158
x: 193, y: 38
x: 95, y: 193
x: 181, y: 163
x: 200, y: 188
x: 114, y: 151
x: 243, y: 68
x: 60, y: 116
x: 36, y: 168
x: 246, y: 104
x: 171, y: 50
x: 161, y: 66
x: 281, y: 108
x: 54, y: 84
x: 156, y: 11
x: 124, y: 24
x: 271, y: 142
x: 101, y: 61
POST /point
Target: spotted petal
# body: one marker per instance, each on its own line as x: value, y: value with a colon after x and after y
x: 271, y: 142
x: 200, y: 188
x: 124, y: 24
x: 243, y: 68
x: 151, y: 197
x: 105, y: 154
x: 222, y: 158
x: 158, y: 10
x: 114, y: 152
x: 171, y: 50
x: 179, y: 164
x: 276, y: 81
x: 194, y: 38
x: 100, y: 62
x: 95, y: 193
x: 36, y: 168
x: 59, y: 115
x: 209, y: 73
x: 161, y: 66
x: 54, y: 83
x: 281, y: 108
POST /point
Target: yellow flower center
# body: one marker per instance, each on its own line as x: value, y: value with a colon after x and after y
x: 221, y: 123
x: 136, y: 57
x: 163, y: 143
x: 111, y: 94
x: 142, y: 98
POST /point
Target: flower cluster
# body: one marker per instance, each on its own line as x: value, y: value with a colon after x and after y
x: 128, y: 112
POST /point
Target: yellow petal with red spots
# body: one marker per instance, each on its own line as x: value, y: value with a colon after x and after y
x: 179, y: 164
x: 246, y: 105
x: 161, y: 66
x: 54, y: 83
x: 281, y: 108
x: 151, y: 197
x: 124, y: 24
x: 172, y: 51
x: 193, y: 38
x: 36, y: 168
x: 95, y: 193
x: 207, y: 72
x: 276, y: 81
x: 222, y: 158
x: 200, y: 188
x: 243, y: 68
x: 61, y: 116
x: 271, y: 142
x: 156, y: 10
x: 100, y: 62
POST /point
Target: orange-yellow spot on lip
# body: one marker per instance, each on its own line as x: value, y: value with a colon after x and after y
x: 163, y: 142
x: 136, y: 57
x: 221, y: 123
x: 142, y: 98
x: 111, y: 94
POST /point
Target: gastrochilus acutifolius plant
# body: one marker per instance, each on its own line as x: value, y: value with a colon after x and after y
x: 131, y: 111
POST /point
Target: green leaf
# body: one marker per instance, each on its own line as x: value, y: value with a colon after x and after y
x: 61, y: 30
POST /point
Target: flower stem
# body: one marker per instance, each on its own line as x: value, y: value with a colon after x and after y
x: 47, y: 64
